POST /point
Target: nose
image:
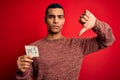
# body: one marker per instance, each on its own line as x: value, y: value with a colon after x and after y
x: 55, y: 20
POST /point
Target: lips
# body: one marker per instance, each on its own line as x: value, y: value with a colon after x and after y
x: 55, y: 27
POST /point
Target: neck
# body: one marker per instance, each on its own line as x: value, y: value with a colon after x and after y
x: 54, y: 36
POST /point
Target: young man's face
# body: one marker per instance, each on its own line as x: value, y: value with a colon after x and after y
x: 55, y: 20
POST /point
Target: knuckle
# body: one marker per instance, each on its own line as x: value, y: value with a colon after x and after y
x: 24, y: 56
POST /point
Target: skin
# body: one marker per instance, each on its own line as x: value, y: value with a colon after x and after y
x: 55, y: 21
x: 24, y: 62
x: 87, y: 20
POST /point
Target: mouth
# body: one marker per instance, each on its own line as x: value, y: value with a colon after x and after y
x: 55, y: 27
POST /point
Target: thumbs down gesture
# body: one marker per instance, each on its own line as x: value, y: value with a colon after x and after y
x: 87, y: 19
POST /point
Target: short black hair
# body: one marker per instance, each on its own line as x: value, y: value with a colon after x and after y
x: 54, y: 5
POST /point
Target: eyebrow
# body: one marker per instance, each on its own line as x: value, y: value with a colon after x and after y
x: 60, y: 15
x: 54, y: 15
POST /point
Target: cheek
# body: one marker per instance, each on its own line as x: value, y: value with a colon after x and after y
x: 48, y: 22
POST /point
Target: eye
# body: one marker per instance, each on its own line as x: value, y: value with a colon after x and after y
x: 50, y: 16
x: 61, y: 16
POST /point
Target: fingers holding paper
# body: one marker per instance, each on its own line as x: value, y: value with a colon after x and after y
x: 24, y: 62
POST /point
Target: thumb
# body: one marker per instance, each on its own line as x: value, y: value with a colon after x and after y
x: 82, y: 31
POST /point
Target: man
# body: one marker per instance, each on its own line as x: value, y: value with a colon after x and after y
x: 61, y: 58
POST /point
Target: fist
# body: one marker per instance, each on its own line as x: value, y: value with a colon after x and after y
x: 88, y: 20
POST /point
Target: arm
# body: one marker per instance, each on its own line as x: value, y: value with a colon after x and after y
x: 104, y: 33
x: 24, y: 75
x: 104, y: 38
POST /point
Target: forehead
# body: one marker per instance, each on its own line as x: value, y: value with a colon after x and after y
x: 55, y: 11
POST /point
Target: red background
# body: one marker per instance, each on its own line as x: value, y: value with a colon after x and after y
x: 21, y: 22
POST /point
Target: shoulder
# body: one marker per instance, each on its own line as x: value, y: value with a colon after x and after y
x: 80, y: 40
x: 37, y: 42
x: 75, y: 40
